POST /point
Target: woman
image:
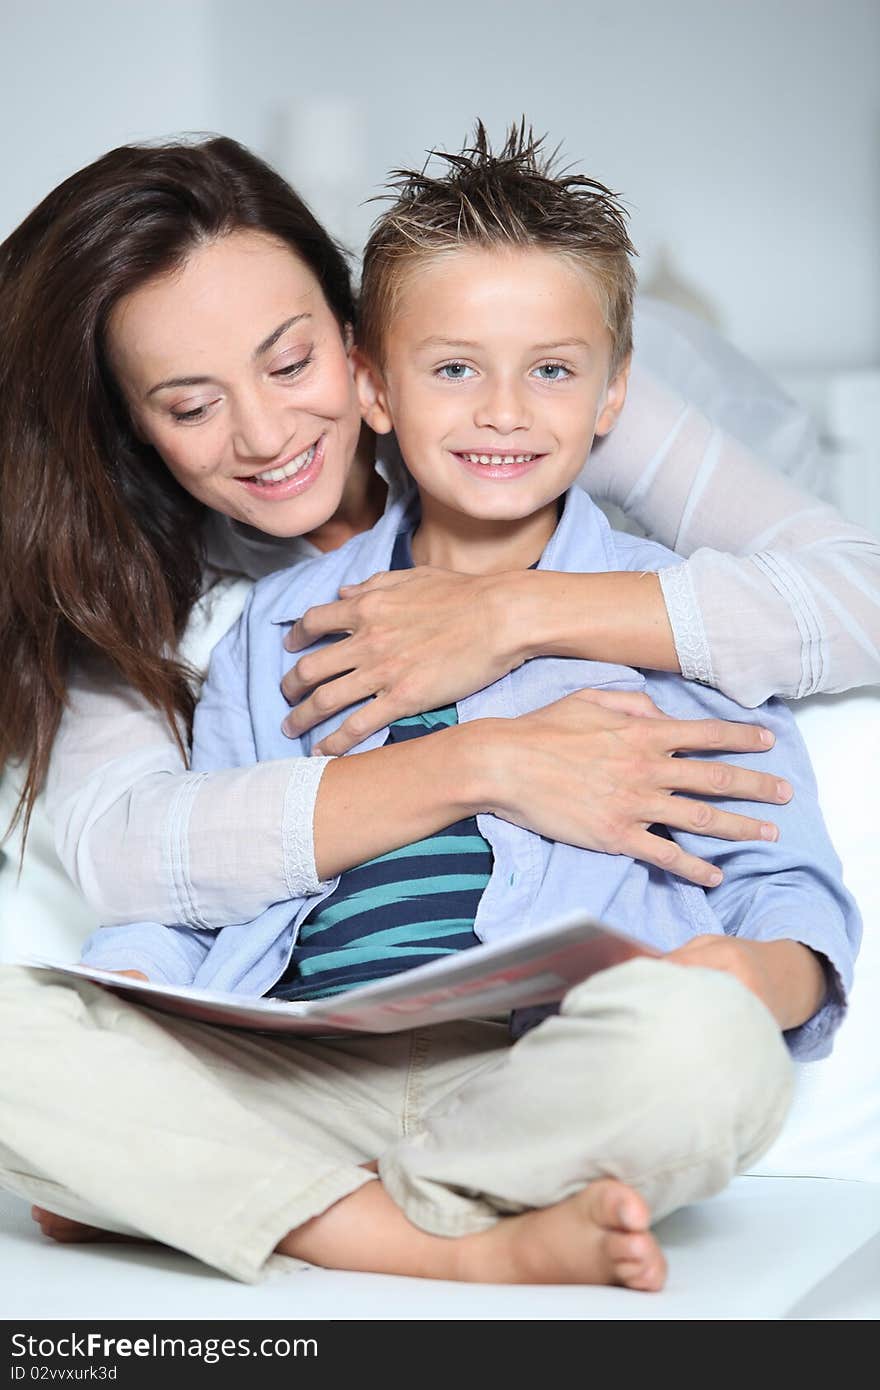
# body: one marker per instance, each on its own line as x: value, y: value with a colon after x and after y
x: 117, y: 470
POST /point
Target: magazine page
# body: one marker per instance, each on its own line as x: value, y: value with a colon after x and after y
x: 486, y: 981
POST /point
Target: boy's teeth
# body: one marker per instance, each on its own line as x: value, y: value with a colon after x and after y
x: 277, y: 475
x: 499, y: 458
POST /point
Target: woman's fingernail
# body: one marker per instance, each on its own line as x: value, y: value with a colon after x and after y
x: 288, y: 729
x: 767, y: 738
x: 715, y: 878
x: 784, y: 791
x: 769, y: 832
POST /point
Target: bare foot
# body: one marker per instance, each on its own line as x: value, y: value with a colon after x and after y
x: 601, y: 1235
x: 69, y: 1232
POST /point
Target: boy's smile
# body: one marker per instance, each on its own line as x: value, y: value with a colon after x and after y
x: 496, y: 380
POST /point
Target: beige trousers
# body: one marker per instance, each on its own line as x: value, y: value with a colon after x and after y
x: 219, y: 1143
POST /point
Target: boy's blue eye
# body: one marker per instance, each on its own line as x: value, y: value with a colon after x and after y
x: 455, y: 371
x: 552, y: 371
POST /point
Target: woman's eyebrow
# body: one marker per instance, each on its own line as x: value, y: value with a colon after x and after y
x: 279, y: 332
x: 264, y: 347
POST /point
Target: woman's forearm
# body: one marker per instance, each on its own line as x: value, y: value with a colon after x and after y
x: 779, y: 592
x: 144, y: 839
x: 371, y: 803
x: 616, y: 617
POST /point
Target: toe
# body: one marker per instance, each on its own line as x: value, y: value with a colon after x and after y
x: 618, y: 1207
x: 636, y: 1260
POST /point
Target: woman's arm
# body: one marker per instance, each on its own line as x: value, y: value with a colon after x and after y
x: 780, y: 594
x: 146, y: 840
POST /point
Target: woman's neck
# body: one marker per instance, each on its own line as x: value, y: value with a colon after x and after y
x: 362, y: 503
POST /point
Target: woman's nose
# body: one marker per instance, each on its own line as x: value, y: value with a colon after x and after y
x: 262, y: 427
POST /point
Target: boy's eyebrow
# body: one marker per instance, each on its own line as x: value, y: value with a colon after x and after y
x: 534, y: 347
x: 264, y: 347
x: 563, y: 343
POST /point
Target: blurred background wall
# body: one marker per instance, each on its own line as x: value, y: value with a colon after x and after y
x: 744, y: 135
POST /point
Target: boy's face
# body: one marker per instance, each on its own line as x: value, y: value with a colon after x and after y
x: 496, y: 379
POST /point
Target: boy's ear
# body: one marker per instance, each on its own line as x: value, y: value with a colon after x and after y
x: 371, y: 394
x: 615, y: 398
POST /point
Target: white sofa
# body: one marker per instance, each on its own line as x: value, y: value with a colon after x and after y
x: 800, y: 1238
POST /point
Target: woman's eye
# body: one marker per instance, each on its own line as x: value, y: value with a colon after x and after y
x: 552, y: 371
x: 293, y: 368
x: 187, y: 416
x: 455, y: 371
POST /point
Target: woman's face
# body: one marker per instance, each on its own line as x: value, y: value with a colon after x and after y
x: 235, y: 370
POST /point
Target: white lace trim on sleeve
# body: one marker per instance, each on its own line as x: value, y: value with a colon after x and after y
x: 686, y: 620
x: 298, y: 827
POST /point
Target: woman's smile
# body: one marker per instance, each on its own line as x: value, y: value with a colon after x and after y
x: 278, y: 483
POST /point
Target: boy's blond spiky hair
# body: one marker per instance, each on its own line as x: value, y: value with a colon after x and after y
x: 513, y: 199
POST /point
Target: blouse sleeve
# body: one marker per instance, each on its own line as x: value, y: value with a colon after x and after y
x: 778, y: 595
x: 145, y: 839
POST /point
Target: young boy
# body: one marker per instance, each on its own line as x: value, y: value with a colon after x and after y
x: 495, y: 340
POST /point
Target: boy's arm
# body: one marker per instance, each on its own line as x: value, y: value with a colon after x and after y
x: 792, y: 930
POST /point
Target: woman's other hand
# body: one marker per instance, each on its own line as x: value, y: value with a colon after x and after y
x: 595, y: 770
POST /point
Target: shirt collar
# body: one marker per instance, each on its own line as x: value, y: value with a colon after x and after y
x: 582, y: 541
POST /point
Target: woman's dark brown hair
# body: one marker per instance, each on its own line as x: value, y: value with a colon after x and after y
x: 100, y: 548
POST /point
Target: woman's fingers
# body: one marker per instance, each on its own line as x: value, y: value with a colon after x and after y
x: 375, y: 714
x: 724, y: 779
x: 649, y: 848
x: 328, y: 699
x: 707, y: 735
x: 316, y: 668
x: 320, y: 621
x: 681, y: 813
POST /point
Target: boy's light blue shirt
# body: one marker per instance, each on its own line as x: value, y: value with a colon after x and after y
x: 791, y: 889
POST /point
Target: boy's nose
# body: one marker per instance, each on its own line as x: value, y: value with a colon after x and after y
x: 503, y: 407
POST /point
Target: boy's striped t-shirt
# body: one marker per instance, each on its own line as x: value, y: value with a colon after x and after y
x: 401, y: 909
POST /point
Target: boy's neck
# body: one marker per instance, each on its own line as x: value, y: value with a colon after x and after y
x: 450, y: 540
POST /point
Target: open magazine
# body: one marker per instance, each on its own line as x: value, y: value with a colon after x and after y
x: 483, y: 982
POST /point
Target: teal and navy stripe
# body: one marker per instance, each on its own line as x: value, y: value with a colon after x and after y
x: 400, y: 910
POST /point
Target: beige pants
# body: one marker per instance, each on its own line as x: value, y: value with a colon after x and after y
x: 219, y: 1143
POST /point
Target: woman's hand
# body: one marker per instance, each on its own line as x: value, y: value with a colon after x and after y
x: 417, y: 640
x: 594, y: 770
x: 785, y: 975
